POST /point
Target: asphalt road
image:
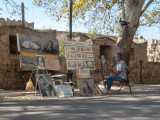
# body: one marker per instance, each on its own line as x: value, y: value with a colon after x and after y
x: 143, y: 104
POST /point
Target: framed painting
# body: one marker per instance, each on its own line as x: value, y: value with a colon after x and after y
x: 71, y: 64
x: 86, y: 87
x: 46, y: 85
x: 40, y: 62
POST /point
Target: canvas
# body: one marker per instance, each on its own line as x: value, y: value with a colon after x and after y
x: 90, y: 56
x: 80, y: 64
x: 89, y: 49
x: 67, y: 55
x: 46, y: 85
x: 84, y: 56
x: 52, y: 64
x: 28, y: 62
x: 90, y: 64
x: 34, y: 44
x: 83, y: 73
x: 78, y: 55
x: 64, y: 90
x: 50, y: 46
x: 73, y: 56
x: 86, y: 87
x: 73, y: 48
x: 40, y: 62
x: 29, y: 43
x: 71, y: 64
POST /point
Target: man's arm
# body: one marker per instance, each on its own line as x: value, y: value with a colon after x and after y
x: 114, y: 70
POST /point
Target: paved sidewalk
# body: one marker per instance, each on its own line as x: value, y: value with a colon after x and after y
x: 143, y: 104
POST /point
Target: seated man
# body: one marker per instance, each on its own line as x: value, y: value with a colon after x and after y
x: 119, y: 70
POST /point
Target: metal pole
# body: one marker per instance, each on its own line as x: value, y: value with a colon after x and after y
x: 140, y: 62
x: 70, y: 23
x: 23, y: 18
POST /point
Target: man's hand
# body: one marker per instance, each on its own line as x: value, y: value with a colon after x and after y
x: 114, y: 70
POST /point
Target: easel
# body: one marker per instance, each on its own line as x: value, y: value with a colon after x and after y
x: 36, y: 72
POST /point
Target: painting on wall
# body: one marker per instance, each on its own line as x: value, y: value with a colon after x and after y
x: 80, y: 64
x: 71, y: 64
x: 50, y: 46
x: 73, y: 48
x: 28, y: 43
x: 67, y: 49
x: 78, y: 55
x: 40, y: 62
x: 89, y: 49
x: 78, y: 49
x: 52, y: 64
x: 86, y: 87
x: 67, y: 55
x: 28, y: 62
x: 90, y: 56
x: 90, y: 64
x: 73, y: 55
x: 84, y: 56
x: 83, y: 49
x: 46, y: 85
x: 34, y: 44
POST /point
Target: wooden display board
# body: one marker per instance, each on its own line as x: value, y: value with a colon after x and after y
x: 79, y: 54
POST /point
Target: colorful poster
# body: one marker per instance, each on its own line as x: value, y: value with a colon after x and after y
x: 73, y: 55
x: 83, y: 73
x: 90, y: 56
x: 81, y: 64
x: 78, y: 55
x: 90, y: 64
x: 71, y: 64
x: 84, y: 56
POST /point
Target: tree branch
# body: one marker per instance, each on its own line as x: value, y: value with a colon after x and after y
x: 146, y: 6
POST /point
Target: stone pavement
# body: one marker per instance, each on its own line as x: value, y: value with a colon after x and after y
x: 143, y: 104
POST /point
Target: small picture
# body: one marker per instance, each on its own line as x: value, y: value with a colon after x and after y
x: 74, y: 43
x: 50, y: 47
x: 40, y: 62
x: 81, y: 44
x: 78, y: 49
x: 67, y: 55
x: 84, y: 56
x: 67, y: 49
x: 73, y: 56
x: 90, y: 65
x: 80, y: 64
x: 28, y: 62
x: 86, y: 87
x: 78, y: 55
x: 65, y: 42
x: 73, y: 48
x: 83, y: 73
x: 46, y: 85
x: 83, y: 49
x: 90, y: 56
x: 71, y: 64
x: 89, y: 49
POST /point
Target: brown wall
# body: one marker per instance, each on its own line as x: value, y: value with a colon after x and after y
x: 10, y: 78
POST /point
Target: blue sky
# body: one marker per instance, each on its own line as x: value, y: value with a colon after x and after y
x: 44, y: 21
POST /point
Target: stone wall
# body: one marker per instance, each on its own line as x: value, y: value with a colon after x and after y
x: 15, y: 22
x: 10, y: 78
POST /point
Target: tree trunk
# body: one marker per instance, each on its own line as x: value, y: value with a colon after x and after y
x: 133, y: 13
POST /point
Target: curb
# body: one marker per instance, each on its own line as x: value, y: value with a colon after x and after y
x: 12, y: 94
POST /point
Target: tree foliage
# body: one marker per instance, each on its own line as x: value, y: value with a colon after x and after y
x: 99, y: 15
